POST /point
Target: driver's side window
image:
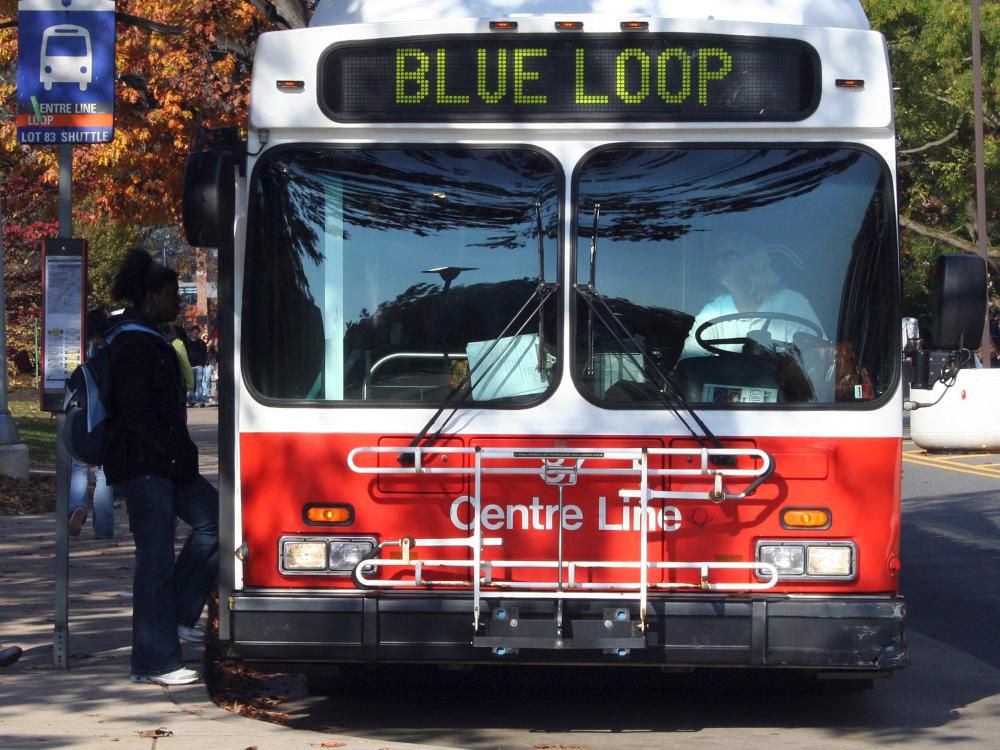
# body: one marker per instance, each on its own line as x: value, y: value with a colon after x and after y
x: 732, y: 275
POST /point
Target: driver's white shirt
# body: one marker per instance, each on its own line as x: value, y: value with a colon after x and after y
x: 786, y: 301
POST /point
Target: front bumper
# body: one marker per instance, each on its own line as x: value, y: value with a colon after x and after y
x: 837, y: 633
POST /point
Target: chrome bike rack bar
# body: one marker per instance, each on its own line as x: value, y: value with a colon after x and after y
x: 549, y: 464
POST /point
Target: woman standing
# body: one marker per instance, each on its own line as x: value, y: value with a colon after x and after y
x: 152, y: 461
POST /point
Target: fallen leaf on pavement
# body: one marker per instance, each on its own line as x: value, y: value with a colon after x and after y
x: 154, y: 733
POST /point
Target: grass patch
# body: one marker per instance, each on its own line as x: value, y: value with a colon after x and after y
x: 36, y: 428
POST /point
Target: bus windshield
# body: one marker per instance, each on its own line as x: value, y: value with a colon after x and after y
x: 734, y: 276
x: 412, y: 274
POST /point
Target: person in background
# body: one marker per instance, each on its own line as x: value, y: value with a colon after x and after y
x: 213, y: 348
x: 198, y: 356
x: 211, y: 360
x: 175, y: 335
x: 104, y: 514
x: 152, y: 460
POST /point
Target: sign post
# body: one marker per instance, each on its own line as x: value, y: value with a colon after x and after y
x: 65, y: 97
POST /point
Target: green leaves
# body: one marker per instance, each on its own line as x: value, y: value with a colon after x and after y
x: 930, y: 48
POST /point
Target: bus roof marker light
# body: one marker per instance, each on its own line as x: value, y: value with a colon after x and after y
x: 291, y: 86
x: 850, y: 83
x: 503, y: 25
x: 569, y: 25
x: 635, y: 25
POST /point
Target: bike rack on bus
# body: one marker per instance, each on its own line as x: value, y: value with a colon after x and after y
x: 561, y: 467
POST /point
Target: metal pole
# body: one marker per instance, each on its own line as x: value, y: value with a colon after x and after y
x: 982, y: 239
x: 60, y: 636
x: 66, y: 192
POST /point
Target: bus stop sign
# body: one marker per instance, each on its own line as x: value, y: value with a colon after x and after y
x: 65, y: 72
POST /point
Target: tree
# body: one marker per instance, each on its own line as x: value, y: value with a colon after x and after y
x: 930, y: 51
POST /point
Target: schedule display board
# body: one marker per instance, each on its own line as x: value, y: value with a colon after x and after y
x: 577, y: 77
x: 64, y: 263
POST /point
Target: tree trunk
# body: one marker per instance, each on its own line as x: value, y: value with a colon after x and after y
x: 289, y: 14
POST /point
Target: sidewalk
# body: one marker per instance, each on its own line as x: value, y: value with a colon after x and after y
x: 94, y: 704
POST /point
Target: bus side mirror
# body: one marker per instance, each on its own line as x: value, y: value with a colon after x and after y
x: 959, y: 303
x: 209, y: 201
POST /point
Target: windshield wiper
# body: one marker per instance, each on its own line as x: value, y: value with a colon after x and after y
x: 542, y: 292
x: 667, y: 394
x: 589, y: 367
x: 541, y: 284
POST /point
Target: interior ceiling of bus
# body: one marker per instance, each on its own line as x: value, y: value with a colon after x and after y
x: 836, y: 13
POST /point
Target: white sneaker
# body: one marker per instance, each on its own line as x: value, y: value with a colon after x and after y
x: 182, y: 676
x: 190, y: 635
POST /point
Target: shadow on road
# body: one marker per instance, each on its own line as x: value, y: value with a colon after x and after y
x: 498, y: 708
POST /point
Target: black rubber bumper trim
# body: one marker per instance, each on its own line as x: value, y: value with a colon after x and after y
x: 860, y: 633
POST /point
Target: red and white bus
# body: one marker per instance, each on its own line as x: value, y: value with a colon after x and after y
x: 562, y: 338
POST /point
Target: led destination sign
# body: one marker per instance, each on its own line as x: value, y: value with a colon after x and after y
x: 647, y: 77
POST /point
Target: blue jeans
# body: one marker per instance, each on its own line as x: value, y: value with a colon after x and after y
x: 166, y: 593
x: 206, y: 382
x: 104, y: 512
x: 199, y: 384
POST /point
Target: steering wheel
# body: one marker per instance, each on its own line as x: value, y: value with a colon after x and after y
x: 713, y: 345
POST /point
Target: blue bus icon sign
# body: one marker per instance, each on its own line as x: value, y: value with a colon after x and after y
x: 65, y: 72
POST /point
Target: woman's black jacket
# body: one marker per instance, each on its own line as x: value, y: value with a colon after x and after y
x: 147, y: 405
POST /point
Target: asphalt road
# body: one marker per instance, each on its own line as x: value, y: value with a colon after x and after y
x: 951, y: 549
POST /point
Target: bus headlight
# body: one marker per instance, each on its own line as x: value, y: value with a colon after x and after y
x: 788, y: 560
x: 322, y: 555
x: 808, y: 559
x: 344, y: 556
x: 304, y: 555
x: 829, y: 561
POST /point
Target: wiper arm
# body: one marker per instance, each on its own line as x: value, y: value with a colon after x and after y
x: 542, y: 291
x: 541, y: 285
x: 595, y: 303
x: 589, y: 367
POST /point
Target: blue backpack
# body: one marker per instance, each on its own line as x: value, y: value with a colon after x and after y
x: 86, y: 431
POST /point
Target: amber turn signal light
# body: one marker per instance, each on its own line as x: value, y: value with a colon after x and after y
x: 806, y: 518
x: 569, y: 25
x: 328, y: 515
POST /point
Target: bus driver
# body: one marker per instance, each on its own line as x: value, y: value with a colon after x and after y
x: 743, y: 267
